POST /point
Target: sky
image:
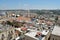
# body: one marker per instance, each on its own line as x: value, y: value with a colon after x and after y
x: 29, y: 4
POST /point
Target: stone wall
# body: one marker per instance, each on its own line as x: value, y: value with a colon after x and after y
x: 54, y: 37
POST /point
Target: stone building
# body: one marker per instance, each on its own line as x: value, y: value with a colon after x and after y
x: 55, y: 35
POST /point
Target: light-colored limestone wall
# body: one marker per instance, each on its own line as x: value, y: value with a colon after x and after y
x: 6, y: 33
x: 55, y: 37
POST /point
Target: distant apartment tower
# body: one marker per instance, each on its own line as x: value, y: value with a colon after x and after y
x: 55, y: 33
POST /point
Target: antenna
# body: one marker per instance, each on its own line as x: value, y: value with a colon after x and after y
x: 28, y: 11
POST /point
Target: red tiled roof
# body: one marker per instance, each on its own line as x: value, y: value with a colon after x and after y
x: 38, y: 33
x: 23, y: 28
x: 23, y: 18
x: 49, y: 23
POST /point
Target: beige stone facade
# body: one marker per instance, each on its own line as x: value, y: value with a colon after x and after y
x: 54, y: 37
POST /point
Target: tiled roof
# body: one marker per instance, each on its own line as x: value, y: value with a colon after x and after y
x: 23, y: 28
x: 49, y: 23
x: 38, y: 33
x: 20, y: 18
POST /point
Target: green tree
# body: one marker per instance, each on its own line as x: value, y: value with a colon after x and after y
x: 56, y: 19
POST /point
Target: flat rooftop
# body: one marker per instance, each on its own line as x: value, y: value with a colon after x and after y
x: 56, y: 31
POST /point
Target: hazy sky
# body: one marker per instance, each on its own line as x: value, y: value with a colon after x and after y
x: 29, y: 4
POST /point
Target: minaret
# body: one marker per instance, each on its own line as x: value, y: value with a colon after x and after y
x: 28, y: 12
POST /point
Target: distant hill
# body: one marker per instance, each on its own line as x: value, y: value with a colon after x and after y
x: 36, y: 11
